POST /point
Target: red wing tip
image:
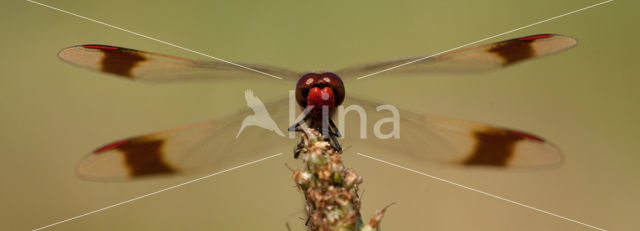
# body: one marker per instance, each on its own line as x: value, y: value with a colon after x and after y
x: 535, y: 37
x: 110, y: 146
x: 527, y: 136
x: 100, y: 47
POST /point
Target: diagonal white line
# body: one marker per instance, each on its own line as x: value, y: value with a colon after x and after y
x: 154, y: 39
x: 484, y: 39
x: 482, y: 192
x: 156, y: 192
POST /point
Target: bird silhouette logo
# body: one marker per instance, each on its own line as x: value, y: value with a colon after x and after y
x: 260, y: 117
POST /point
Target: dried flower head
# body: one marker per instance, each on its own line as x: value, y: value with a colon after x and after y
x: 330, y: 189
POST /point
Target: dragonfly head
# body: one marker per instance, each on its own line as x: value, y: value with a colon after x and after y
x: 320, y: 90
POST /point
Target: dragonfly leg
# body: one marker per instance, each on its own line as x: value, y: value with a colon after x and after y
x: 334, y: 128
x: 335, y: 144
x: 334, y: 134
x: 331, y: 132
x: 298, y: 149
x: 294, y: 127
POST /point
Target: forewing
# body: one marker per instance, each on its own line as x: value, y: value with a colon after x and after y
x: 148, y: 66
x: 211, y: 144
x: 474, y: 59
x: 430, y: 138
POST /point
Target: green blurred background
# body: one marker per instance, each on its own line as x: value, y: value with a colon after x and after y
x: 584, y: 100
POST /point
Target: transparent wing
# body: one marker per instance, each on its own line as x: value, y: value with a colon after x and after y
x: 474, y: 59
x: 216, y: 145
x: 431, y: 138
x: 148, y: 66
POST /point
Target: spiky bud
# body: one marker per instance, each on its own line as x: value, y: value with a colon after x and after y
x: 330, y: 189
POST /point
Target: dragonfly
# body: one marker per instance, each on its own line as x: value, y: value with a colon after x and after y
x: 225, y: 142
